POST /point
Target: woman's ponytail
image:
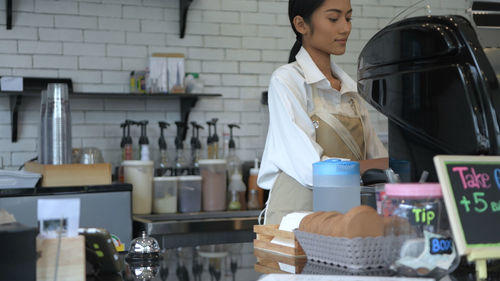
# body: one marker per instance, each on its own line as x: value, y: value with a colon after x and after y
x: 305, y: 9
x: 295, y: 50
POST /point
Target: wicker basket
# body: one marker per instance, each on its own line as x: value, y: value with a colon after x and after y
x: 320, y: 268
x: 357, y: 254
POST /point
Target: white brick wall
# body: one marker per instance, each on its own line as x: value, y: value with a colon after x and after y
x: 234, y: 45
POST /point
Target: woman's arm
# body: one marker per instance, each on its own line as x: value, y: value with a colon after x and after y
x: 290, y: 144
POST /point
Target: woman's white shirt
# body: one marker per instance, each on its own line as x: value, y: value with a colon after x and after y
x: 291, y: 145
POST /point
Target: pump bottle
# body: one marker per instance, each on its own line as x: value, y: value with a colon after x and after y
x: 192, y: 143
x: 162, y: 144
x: 128, y: 151
x: 210, y: 148
x: 122, y: 146
x: 252, y: 184
x: 180, y: 160
x: 233, y: 162
x: 144, y: 141
x: 124, y: 139
x: 215, y: 140
x: 237, y: 191
x: 196, y: 148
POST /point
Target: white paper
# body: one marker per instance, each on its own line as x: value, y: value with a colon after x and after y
x: 287, y: 268
x: 300, y: 277
x: 11, y: 83
x: 426, y: 259
x: 289, y: 223
x: 283, y: 242
x: 158, y: 74
x: 175, y: 73
x: 292, y: 221
x: 56, y: 214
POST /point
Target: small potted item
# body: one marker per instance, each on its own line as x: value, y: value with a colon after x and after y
x: 143, y: 258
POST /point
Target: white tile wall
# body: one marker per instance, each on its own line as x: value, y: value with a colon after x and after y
x: 234, y: 45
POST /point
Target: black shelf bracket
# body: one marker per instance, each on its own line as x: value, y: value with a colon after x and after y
x: 30, y: 85
x: 15, y: 103
x: 186, y: 104
x: 183, y: 10
x: 8, y: 12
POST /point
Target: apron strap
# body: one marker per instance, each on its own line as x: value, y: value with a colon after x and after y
x: 358, y: 112
x: 342, y: 132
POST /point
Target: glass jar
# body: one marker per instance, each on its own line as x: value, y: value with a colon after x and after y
x: 418, y: 235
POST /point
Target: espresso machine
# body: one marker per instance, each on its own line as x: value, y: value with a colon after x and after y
x: 436, y: 79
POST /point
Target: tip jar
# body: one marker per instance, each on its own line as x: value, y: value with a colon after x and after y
x: 417, y: 228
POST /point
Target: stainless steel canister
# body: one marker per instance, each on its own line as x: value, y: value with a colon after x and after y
x: 42, y: 153
x: 57, y: 125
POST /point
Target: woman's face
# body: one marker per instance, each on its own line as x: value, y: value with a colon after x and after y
x: 329, y: 27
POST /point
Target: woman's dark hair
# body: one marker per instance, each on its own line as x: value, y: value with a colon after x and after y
x: 305, y: 9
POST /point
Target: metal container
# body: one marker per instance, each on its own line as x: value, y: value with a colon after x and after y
x: 143, y: 258
x: 41, y: 129
x: 56, y: 126
x: 144, y: 247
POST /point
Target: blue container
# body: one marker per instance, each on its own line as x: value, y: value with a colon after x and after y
x: 336, y: 185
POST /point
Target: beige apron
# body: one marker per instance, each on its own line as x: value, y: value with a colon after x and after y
x: 340, y: 136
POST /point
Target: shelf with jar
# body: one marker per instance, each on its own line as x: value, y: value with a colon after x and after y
x: 32, y: 87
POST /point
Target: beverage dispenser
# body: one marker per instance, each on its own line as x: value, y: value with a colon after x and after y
x: 432, y: 79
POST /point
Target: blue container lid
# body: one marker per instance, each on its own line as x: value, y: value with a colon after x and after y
x: 332, y: 167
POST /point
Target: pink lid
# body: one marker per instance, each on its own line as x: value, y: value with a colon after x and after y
x: 413, y: 190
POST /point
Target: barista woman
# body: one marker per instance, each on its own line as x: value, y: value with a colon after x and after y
x: 314, y: 109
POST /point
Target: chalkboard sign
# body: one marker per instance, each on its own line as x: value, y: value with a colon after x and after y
x: 471, y: 190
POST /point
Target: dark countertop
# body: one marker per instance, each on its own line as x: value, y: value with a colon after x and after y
x: 268, y: 263
x: 37, y: 191
x: 195, y: 229
x: 465, y: 272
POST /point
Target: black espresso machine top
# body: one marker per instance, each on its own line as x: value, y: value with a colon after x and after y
x: 430, y: 76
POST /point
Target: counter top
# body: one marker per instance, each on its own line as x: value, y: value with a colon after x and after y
x: 203, y: 228
x: 37, y: 191
x: 269, y: 263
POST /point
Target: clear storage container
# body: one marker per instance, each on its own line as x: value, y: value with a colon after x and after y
x: 336, y: 185
x: 140, y: 175
x: 214, y: 186
x: 164, y: 195
x: 416, y: 223
x: 189, y: 192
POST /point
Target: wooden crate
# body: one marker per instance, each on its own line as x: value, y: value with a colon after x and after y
x: 71, y: 263
x: 261, y: 268
x: 266, y: 233
x: 71, y: 174
x: 270, y: 261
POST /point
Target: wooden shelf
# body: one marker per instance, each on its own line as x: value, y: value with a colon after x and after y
x: 187, y: 101
x: 101, y: 95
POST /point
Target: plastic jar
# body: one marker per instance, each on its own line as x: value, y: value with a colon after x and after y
x: 164, y: 195
x: 189, y: 188
x: 336, y: 185
x: 140, y: 175
x: 213, y: 172
x: 419, y: 239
